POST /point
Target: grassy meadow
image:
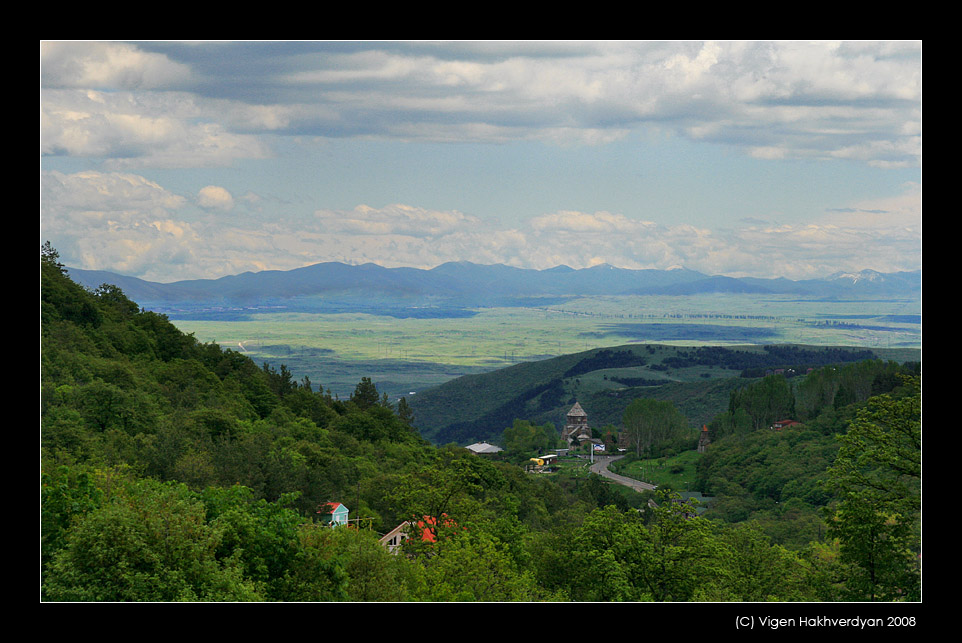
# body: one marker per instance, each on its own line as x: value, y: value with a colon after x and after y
x: 404, y: 355
x: 676, y: 472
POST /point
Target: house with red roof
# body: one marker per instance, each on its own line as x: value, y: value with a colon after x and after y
x: 426, y: 527
x: 333, y: 513
x: 785, y: 424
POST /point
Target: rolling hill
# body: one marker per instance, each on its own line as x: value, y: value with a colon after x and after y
x: 604, y: 381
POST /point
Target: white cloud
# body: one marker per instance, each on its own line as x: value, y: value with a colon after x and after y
x: 114, y: 221
x: 887, y: 239
x: 884, y: 222
x: 774, y: 99
x: 144, y: 130
x: 178, y: 105
x: 114, y: 192
x: 585, y: 223
x: 396, y: 219
x: 215, y: 197
x: 692, y: 70
x: 106, y: 65
x: 126, y: 223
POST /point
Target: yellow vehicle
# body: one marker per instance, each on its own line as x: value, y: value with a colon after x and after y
x: 538, y: 464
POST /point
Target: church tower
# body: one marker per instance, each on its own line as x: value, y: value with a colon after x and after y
x: 703, y: 439
x: 576, y: 425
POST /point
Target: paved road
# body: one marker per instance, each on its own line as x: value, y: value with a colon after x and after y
x: 600, y: 467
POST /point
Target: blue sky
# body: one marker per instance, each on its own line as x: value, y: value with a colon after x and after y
x: 181, y: 160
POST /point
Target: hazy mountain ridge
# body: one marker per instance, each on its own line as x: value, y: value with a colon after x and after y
x: 468, y: 284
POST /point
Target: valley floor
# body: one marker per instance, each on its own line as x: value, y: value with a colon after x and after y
x: 411, y: 354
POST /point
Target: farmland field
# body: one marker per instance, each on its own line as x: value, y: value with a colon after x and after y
x: 403, y: 355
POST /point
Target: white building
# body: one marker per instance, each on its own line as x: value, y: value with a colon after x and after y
x: 483, y: 448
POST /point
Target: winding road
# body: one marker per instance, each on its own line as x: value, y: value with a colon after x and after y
x: 600, y: 467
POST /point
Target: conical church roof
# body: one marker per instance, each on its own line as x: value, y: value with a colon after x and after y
x: 577, y: 410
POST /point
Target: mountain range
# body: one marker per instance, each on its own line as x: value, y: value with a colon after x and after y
x: 467, y: 284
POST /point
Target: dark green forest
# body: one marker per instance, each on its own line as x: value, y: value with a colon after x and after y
x: 174, y: 470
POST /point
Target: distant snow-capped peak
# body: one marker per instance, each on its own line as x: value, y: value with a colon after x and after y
x: 855, y: 277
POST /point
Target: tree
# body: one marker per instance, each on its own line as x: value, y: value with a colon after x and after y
x: 63, y: 300
x: 679, y: 557
x: 439, y: 496
x: 473, y: 566
x: 372, y: 573
x: 276, y: 546
x: 50, y: 256
x: 616, y: 555
x: 878, y: 548
x: 649, y: 422
x: 762, y: 571
x: 877, y: 478
x: 64, y: 496
x: 523, y: 437
x: 312, y: 406
x: 404, y: 412
x: 114, y: 299
x: 281, y: 382
x: 365, y: 394
x: 735, y: 422
x: 598, y: 492
x: 766, y: 401
x: 880, y: 454
x: 148, y: 542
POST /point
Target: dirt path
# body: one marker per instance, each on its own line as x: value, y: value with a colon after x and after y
x: 600, y: 467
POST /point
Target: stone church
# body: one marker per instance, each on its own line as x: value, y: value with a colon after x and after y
x: 576, y: 425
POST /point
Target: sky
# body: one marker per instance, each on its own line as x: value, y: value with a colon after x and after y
x: 187, y: 160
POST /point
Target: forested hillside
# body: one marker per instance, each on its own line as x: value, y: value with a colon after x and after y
x: 780, y: 479
x: 698, y: 380
x: 173, y: 470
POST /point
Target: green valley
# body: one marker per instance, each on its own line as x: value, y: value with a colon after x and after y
x: 404, y: 354
x: 176, y: 468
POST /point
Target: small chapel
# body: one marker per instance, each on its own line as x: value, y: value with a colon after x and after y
x: 576, y: 425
